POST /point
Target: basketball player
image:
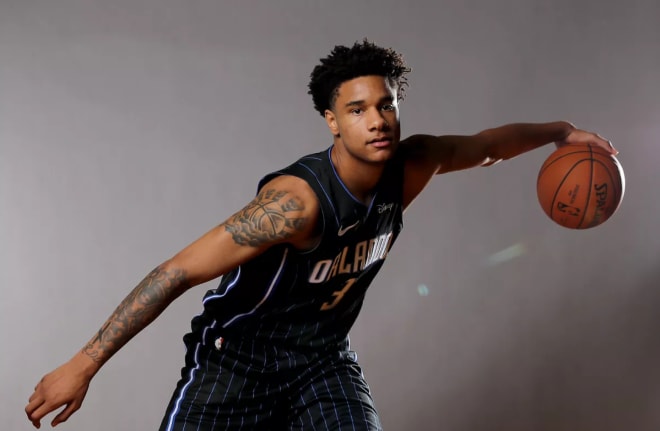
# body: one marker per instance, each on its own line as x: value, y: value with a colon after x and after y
x: 270, y: 350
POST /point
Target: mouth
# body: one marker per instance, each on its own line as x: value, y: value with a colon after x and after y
x: 381, y: 141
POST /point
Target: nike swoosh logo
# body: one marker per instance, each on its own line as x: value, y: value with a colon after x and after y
x: 343, y: 230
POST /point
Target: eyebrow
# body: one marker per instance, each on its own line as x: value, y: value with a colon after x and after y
x: 362, y: 102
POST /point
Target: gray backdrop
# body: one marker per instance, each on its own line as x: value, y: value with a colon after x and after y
x: 129, y: 128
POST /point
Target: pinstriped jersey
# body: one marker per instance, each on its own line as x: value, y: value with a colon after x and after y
x: 311, y: 299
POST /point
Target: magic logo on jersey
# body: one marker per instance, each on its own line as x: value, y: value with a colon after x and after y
x: 352, y: 259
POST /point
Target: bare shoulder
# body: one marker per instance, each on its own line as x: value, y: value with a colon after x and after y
x: 286, y: 209
x: 420, y: 164
x: 415, y: 143
x: 425, y: 149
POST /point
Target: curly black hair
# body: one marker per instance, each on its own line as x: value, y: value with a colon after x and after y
x: 344, y: 64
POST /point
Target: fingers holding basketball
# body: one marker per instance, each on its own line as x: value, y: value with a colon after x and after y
x: 582, y: 137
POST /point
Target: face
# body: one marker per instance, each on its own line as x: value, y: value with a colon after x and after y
x: 365, y: 119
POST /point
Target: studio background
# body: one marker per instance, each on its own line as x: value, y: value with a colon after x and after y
x: 129, y: 128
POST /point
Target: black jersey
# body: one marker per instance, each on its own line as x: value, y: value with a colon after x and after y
x: 311, y: 299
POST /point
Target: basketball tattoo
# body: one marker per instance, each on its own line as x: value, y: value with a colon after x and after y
x: 270, y: 216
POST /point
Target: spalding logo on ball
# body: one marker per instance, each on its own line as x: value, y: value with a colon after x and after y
x: 580, y: 186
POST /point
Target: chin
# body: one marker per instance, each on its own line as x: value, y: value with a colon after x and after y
x: 381, y: 156
x: 386, y: 151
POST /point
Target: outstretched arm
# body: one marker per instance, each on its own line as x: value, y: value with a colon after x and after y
x: 68, y: 384
x: 429, y: 155
x: 285, y: 210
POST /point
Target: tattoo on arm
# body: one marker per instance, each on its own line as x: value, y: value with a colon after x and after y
x: 267, y: 218
x: 136, y: 311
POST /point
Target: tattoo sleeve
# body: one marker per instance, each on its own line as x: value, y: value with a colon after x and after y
x: 149, y: 298
x: 271, y: 216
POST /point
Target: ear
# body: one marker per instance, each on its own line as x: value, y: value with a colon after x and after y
x: 331, y: 120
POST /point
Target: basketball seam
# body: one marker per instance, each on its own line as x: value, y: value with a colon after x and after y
x: 543, y: 168
x: 561, y: 183
x: 591, y: 182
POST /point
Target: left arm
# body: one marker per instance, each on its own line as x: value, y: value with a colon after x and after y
x: 429, y: 155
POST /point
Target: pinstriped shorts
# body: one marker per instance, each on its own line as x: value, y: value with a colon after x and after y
x: 243, y: 385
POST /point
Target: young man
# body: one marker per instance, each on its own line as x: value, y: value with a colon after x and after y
x: 270, y: 350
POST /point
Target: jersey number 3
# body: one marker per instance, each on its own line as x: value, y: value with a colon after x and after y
x: 338, y: 294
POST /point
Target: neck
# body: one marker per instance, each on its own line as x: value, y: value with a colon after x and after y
x: 358, y: 176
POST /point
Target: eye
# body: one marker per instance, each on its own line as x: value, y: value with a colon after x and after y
x: 356, y: 111
x: 388, y: 107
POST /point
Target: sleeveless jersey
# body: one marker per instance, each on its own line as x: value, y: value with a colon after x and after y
x: 311, y: 299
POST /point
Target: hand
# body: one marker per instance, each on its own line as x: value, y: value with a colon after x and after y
x: 66, y: 385
x: 583, y: 137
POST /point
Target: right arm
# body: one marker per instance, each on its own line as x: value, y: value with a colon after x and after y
x: 285, y: 211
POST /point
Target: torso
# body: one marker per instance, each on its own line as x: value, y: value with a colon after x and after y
x: 311, y: 298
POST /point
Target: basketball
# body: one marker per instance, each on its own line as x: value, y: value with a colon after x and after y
x: 580, y: 186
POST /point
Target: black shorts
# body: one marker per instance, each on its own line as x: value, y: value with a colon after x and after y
x: 244, y: 385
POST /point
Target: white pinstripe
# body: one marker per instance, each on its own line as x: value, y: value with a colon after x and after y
x: 177, y: 405
x: 350, y: 413
x: 191, y: 377
x: 334, y: 406
x: 217, y: 378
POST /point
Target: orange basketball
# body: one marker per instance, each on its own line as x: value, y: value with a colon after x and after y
x: 580, y: 186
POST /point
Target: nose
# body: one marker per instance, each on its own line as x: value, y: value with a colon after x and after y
x: 377, y: 121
